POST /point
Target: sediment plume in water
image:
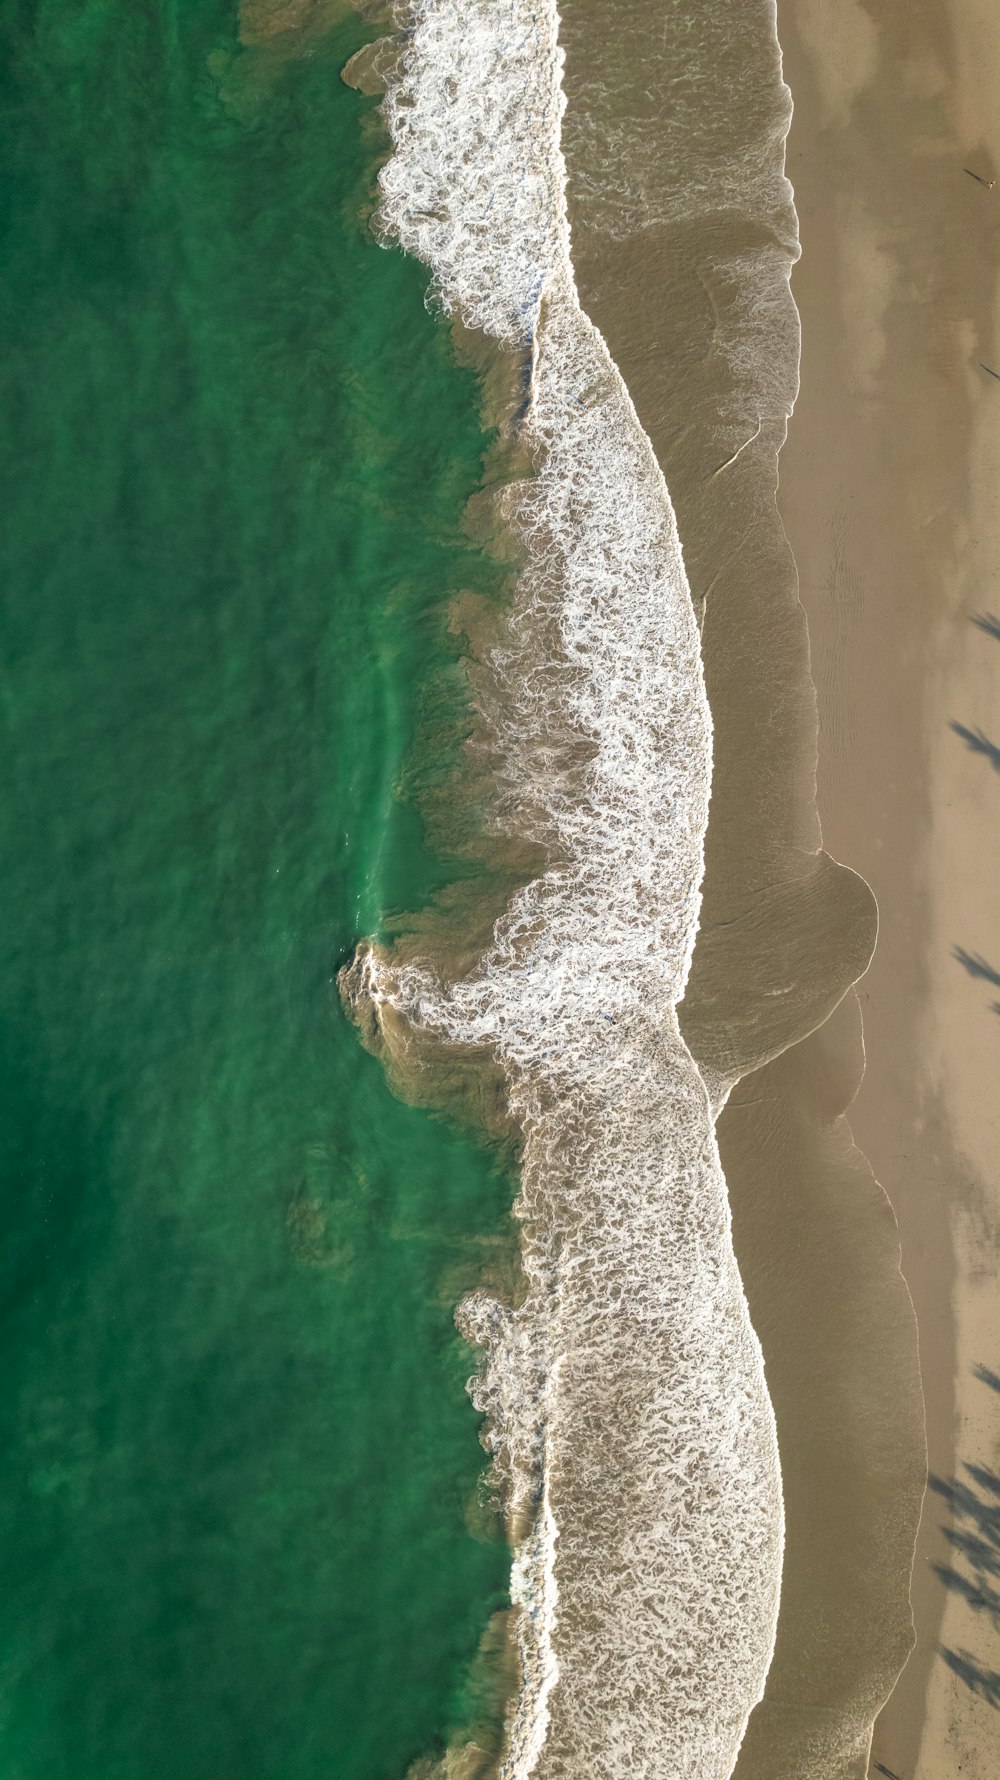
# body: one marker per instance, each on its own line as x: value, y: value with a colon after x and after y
x: 625, y: 1394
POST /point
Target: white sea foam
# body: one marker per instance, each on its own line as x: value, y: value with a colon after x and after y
x: 626, y: 1395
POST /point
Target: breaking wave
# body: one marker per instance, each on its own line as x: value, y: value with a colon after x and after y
x: 626, y: 1398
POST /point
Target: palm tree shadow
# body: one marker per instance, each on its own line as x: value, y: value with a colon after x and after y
x: 978, y: 743
x: 981, y: 1599
x: 976, y: 966
x: 988, y: 622
x: 974, y: 1536
x: 979, y: 1680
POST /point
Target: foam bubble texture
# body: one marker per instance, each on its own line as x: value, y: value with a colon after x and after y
x: 626, y: 1396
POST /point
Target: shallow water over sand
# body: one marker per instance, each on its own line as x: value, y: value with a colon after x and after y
x: 683, y: 238
x: 689, y: 282
x: 625, y: 1391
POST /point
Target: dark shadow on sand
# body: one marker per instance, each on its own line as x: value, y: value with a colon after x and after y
x: 987, y: 621
x: 977, y: 966
x: 978, y: 743
x: 974, y: 1536
x: 979, y: 1680
x: 980, y: 1598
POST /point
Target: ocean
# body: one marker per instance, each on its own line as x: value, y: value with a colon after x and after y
x: 419, y: 941
x: 243, y: 1532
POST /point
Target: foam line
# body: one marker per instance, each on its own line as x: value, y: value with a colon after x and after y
x: 626, y: 1396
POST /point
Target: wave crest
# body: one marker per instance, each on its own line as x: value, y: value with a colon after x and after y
x: 626, y: 1399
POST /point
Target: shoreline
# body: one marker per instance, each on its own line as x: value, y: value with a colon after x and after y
x: 885, y: 502
x: 805, y: 659
x: 712, y: 357
x: 635, y: 1324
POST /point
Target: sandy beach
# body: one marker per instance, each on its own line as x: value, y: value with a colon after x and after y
x: 836, y: 1169
x: 888, y: 496
x: 845, y: 568
x: 705, y: 236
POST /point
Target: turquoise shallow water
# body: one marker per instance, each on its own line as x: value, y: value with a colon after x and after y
x: 238, y: 1456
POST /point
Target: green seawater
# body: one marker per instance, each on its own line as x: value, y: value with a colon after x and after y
x: 237, y: 1456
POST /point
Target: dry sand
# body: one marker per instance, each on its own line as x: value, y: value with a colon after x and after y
x: 888, y: 493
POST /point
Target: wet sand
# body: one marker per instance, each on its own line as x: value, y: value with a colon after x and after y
x: 885, y: 490
x: 688, y: 281
x: 888, y: 495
